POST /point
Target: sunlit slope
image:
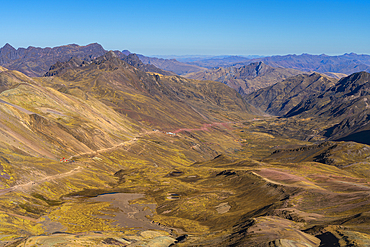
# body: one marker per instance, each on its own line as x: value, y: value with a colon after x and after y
x: 41, y: 195
x: 42, y: 121
x: 166, y: 102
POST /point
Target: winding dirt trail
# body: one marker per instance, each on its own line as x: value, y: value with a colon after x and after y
x: 17, y: 107
x: 20, y: 216
x: 123, y: 144
x: 29, y: 185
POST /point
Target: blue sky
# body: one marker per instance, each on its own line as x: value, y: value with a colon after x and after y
x: 191, y: 27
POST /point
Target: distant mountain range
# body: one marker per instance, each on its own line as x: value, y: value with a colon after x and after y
x: 224, y: 61
x: 35, y: 61
x: 240, y: 72
x: 247, y: 78
x: 347, y: 63
x: 344, y: 64
x: 171, y: 65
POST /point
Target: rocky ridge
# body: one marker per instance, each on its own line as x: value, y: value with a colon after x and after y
x: 246, y: 79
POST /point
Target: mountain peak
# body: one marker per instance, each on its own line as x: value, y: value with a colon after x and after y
x: 350, y: 54
x: 110, y: 54
x: 314, y: 73
x: 357, y: 77
x: 133, y: 59
x: 95, y: 45
x: 126, y: 52
x: 110, y: 57
x: 353, y: 83
x: 109, y: 60
x: 8, y: 53
x: 7, y: 46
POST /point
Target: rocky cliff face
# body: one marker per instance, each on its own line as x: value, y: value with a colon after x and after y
x: 345, y: 104
x: 281, y: 97
x: 340, y: 100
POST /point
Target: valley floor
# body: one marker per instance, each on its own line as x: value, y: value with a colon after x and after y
x: 231, y: 184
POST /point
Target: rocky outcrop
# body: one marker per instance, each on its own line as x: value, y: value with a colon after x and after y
x: 281, y: 97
